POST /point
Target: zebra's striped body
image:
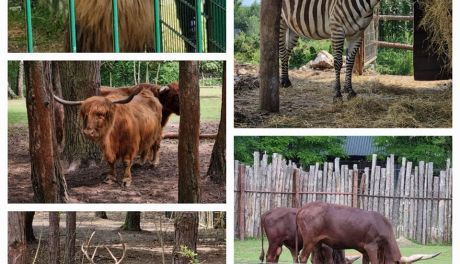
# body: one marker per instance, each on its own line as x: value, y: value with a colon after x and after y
x: 325, y: 19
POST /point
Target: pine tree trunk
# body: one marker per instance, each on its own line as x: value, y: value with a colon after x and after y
x: 53, y: 238
x: 132, y: 221
x: 101, y: 214
x: 186, y: 235
x: 29, y: 230
x: 79, y: 80
x: 217, y: 164
x: 189, y: 133
x: 20, y: 83
x: 58, y: 108
x: 48, y: 181
x: 70, y: 234
x: 17, y: 245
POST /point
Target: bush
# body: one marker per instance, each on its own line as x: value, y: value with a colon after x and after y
x: 247, y: 48
x: 395, y: 62
x: 307, y: 50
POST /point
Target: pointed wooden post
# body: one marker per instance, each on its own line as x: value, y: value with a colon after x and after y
x: 241, y: 179
x: 295, y: 188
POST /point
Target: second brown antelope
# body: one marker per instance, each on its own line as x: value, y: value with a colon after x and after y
x: 85, y: 248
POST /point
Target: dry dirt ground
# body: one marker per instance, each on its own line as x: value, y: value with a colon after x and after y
x: 150, y: 185
x: 383, y: 101
x: 142, y: 247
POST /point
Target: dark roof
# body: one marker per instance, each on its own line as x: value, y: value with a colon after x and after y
x: 359, y: 146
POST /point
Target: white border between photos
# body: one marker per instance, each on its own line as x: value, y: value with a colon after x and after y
x: 231, y: 132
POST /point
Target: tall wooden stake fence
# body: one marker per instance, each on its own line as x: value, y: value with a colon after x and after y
x: 417, y: 202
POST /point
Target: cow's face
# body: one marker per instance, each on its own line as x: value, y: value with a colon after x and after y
x: 97, y: 114
x: 169, y: 98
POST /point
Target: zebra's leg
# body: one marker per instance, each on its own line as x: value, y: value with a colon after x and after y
x: 354, y: 43
x: 338, y: 39
x: 287, y: 41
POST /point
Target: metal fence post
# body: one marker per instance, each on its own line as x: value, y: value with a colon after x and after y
x: 157, y: 27
x: 30, y: 44
x: 116, y: 47
x: 199, y: 27
x: 73, y: 32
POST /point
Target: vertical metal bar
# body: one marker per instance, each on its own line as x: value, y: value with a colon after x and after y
x: 199, y: 27
x: 73, y: 31
x: 30, y: 44
x: 116, y: 47
x: 156, y: 10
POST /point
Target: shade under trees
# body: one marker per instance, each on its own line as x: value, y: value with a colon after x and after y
x: 132, y: 221
x: 189, y: 132
x: 48, y: 181
x: 79, y: 80
x: 17, y: 245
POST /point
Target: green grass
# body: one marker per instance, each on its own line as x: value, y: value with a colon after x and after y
x: 248, y: 251
x: 17, y: 112
x: 210, y: 104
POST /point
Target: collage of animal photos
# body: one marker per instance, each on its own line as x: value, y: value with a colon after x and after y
x: 228, y: 131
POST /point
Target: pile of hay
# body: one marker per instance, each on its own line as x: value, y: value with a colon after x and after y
x: 437, y: 22
x: 246, y: 82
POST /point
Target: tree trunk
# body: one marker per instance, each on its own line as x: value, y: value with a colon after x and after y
x: 70, y: 234
x: 20, y: 83
x: 186, y: 234
x: 11, y: 94
x: 29, y: 230
x: 217, y: 164
x: 189, y: 133
x: 58, y: 108
x: 132, y: 221
x: 79, y: 80
x: 101, y: 214
x: 53, y: 238
x: 17, y: 245
x: 48, y: 181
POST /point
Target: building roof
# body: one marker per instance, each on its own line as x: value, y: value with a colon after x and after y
x: 359, y: 146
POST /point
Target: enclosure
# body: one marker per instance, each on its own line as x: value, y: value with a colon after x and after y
x: 154, y: 243
x: 151, y: 183
x: 174, y: 27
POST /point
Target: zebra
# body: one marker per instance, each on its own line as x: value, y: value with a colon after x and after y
x: 325, y: 19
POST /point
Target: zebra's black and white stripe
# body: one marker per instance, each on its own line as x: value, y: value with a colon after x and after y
x: 325, y: 19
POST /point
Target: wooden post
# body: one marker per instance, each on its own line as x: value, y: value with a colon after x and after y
x: 358, y: 68
x: 295, y: 188
x: 241, y: 179
x: 270, y: 13
x: 355, y: 186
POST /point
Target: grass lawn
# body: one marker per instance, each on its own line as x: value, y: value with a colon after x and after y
x: 248, y: 251
x: 210, y: 104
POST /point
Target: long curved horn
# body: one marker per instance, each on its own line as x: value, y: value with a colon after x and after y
x: 130, y: 97
x: 418, y: 257
x: 352, y: 259
x: 65, y: 102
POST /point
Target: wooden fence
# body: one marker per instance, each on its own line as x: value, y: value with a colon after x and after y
x: 416, y: 201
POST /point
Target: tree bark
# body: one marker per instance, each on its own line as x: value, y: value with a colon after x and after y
x: 189, y: 133
x: 20, y: 83
x: 79, y: 80
x: 186, y: 234
x: 70, y: 234
x: 217, y: 164
x: 17, y: 245
x: 53, y: 238
x: 132, y: 221
x: 101, y: 214
x: 48, y: 181
x: 29, y: 230
x: 58, y: 108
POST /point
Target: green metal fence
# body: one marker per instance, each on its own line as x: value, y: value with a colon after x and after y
x: 177, y: 28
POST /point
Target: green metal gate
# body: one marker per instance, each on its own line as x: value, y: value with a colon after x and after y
x: 177, y: 28
x: 182, y: 32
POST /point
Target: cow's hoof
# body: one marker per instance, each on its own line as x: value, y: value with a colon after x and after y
x: 351, y: 95
x: 126, y: 183
x: 286, y: 83
x: 110, y: 180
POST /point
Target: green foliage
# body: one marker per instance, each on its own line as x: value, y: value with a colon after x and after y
x: 301, y: 150
x: 421, y: 148
x: 190, y: 254
x: 395, y: 62
x: 13, y: 74
x: 307, y: 50
x: 247, y: 18
x: 247, y: 48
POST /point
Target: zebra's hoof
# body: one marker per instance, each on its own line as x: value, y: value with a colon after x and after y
x: 351, y: 95
x: 286, y: 83
x: 337, y: 99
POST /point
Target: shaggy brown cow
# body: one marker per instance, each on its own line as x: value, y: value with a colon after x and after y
x: 121, y: 128
x: 280, y: 226
x: 343, y: 227
x: 168, y: 96
x: 94, y: 26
